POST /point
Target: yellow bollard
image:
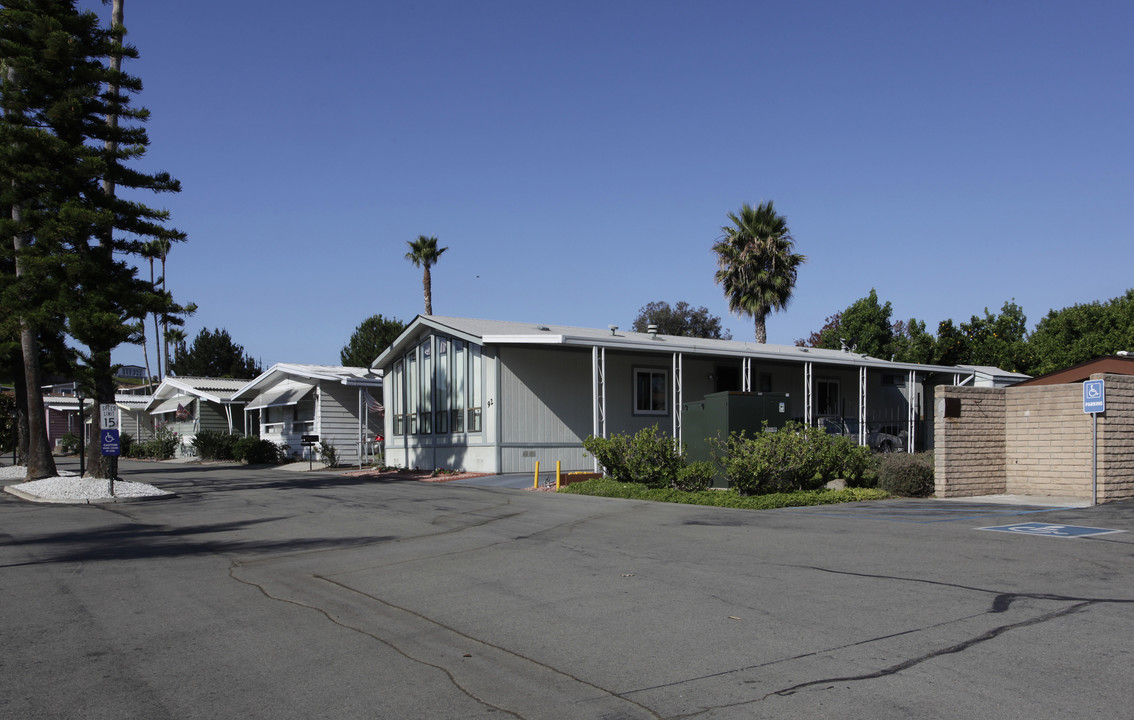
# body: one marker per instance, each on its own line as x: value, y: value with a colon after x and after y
x: 556, y: 474
x: 536, y: 486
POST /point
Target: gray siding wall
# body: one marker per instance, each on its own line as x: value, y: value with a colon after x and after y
x: 338, y: 420
x: 545, y: 408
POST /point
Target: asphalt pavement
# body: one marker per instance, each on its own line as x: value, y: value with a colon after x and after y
x: 263, y: 593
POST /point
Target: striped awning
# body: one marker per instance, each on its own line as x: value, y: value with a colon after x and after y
x: 280, y: 397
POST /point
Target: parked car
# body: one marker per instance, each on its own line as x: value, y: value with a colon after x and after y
x: 878, y: 440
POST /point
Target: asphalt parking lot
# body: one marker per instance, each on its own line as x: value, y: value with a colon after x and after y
x: 262, y: 593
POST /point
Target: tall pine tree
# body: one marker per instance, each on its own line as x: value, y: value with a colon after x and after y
x: 73, y: 133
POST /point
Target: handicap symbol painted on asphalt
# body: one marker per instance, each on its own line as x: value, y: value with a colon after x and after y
x: 1051, y: 530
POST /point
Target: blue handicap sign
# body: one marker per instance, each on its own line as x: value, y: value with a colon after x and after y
x: 1051, y: 530
x: 1094, y: 396
x: 109, y: 443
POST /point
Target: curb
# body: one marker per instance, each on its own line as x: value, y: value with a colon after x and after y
x: 11, y: 490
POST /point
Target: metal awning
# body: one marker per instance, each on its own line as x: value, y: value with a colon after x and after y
x: 170, y: 405
x: 280, y: 397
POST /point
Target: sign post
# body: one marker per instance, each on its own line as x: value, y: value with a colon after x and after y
x: 1094, y: 402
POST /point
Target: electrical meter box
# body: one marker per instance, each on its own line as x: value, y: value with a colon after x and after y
x: 720, y: 414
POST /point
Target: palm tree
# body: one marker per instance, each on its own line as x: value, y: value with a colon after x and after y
x: 424, y: 253
x: 755, y: 263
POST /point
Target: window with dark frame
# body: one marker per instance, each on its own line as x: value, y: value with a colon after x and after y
x: 651, y: 391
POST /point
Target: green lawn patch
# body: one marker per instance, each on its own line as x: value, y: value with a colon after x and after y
x: 605, y: 487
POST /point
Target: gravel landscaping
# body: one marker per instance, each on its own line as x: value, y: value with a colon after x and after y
x: 69, y: 487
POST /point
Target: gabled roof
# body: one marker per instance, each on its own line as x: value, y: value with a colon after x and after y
x: 502, y: 332
x: 218, y: 390
x: 362, y: 377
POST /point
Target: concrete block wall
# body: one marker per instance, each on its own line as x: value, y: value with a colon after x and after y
x: 969, y: 453
x: 1116, y: 439
x: 1035, y: 440
x: 1048, y: 440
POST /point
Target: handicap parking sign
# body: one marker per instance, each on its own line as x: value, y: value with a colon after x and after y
x: 109, y: 443
x: 1094, y: 396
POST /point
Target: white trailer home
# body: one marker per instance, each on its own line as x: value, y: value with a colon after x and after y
x: 495, y: 396
x: 341, y: 405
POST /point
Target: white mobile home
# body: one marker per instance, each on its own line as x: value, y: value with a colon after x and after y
x: 341, y: 405
x: 495, y: 396
x: 188, y: 405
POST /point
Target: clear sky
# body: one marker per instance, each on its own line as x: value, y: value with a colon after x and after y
x: 579, y: 158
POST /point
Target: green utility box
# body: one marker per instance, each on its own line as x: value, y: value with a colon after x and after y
x: 720, y: 414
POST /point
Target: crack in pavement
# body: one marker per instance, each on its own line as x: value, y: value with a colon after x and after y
x: 574, y: 690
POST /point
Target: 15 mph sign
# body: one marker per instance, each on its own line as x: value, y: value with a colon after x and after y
x: 109, y: 416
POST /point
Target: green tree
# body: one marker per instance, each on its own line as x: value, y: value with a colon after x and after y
x: 1082, y: 332
x: 680, y: 319
x: 756, y: 265
x: 864, y: 327
x: 952, y: 346
x: 214, y: 354
x: 912, y: 344
x: 370, y: 338
x: 424, y: 253
x: 999, y: 340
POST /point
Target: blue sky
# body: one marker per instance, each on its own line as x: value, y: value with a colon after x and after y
x: 579, y: 159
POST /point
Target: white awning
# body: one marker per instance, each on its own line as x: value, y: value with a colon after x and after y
x: 170, y: 405
x: 279, y: 397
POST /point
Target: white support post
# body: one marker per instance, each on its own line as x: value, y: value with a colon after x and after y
x: 362, y: 423
x: 807, y: 393
x: 911, y: 393
x: 677, y: 396
x: 862, y: 405
x: 746, y: 374
x: 598, y: 394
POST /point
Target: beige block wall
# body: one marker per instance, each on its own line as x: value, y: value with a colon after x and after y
x: 969, y: 452
x: 1035, y: 440
x: 1048, y: 439
x: 1116, y: 439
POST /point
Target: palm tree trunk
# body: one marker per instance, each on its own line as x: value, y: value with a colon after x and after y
x: 761, y: 331
x: 427, y: 281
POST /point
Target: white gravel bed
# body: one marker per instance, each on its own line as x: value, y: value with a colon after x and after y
x: 72, y: 487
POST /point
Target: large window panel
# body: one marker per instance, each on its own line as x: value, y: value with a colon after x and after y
x: 460, y: 372
x: 476, y: 389
x: 398, y: 398
x: 441, y: 388
x: 425, y: 424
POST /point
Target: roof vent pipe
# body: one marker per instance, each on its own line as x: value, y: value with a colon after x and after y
x: 652, y: 329
x: 613, y: 329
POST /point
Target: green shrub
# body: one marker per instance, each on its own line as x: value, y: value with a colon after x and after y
x: 649, y: 457
x: 161, y: 446
x: 850, y: 461
x: 126, y: 443
x: 69, y: 444
x: 791, y: 458
x: 695, y: 476
x: 327, y: 453
x: 906, y: 475
x: 257, y: 451
x: 214, y: 444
